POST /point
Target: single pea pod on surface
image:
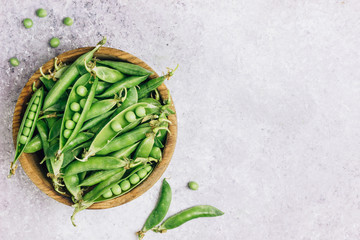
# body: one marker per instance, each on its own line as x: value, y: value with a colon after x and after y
x: 117, y: 125
x: 27, y: 126
x: 100, y: 108
x: 34, y: 145
x: 106, y: 74
x: 126, y: 68
x: 187, y: 215
x: 74, y: 115
x: 160, y: 211
x: 69, y: 76
x: 128, y: 82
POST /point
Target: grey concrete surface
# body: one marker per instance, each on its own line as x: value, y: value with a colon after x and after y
x: 267, y: 96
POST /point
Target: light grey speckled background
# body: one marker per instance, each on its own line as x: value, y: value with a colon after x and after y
x: 267, y: 97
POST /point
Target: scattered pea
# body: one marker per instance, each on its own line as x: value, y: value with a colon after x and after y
x: 82, y: 102
x: 68, y: 21
x: 76, y: 117
x: 125, y: 185
x: 37, y: 100
x: 41, y: 12
x: 75, y: 107
x: 33, y: 108
x: 28, y: 123
x: 116, y: 189
x: 26, y: 131
x: 28, y: 23
x: 130, y: 116
x: 67, y: 133
x: 31, y: 115
x: 147, y: 168
x: 108, y: 194
x: 81, y: 91
x: 140, y: 111
x: 54, y: 42
x: 142, y: 173
x: 193, y: 185
x: 14, y: 61
x: 116, y: 126
x: 69, y: 124
x: 23, y: 139
x: 134, y: 179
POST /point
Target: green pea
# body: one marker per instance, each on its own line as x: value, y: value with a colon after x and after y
x: 41, y: 12
x: 125, y: 185
x: 31, y: 115
x: 116, y: 189
x: 75, y: 107
x: 81, y: 91
x: 193, y: 185
x: 54, y: 42
x: 69, y: 124
x: 140, y: 111
x: 82, y: 102
x: 26, y: 131
x: 28, y: 23
x: 14, y: 61
x: 67, y: 133
x: 115, y: 126
x: 33, y: 108
x: 37, y: 100
x: 142, y: 173
x: 23, y: 139
x: 148, y: 168
x: 130, y: 116
x: 134, y: 179
x: 68, y: 21
x: 28, y: 123
x: 108, y: 194
x: 76, y: 117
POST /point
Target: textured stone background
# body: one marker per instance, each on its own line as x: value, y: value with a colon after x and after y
x: 267, y: 96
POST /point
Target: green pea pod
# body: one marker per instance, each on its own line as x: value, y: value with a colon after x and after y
x: 101, y: 107
x: 126, y: 68
x: 101, y: 87
x: 69, y: 76
x: 34, y: 145
x: 43, y: 133
x: 61, y: 71
x: 160, y: 211
x: 187, y: 215
x: 125, y: 83
x: 160, y: 137
x: 55, y: 130
x: 151, y: 101
x: 95, y: 121
x: 71, y: 134
x: 50, y: 121
x: 107, y: 74
x: 48, y: 83
x: 82, y: 176
x: 156, y: 153
x: 145, y: 147
x: 69, y: 156
x: 59, y: 106
x: 97, y: 177
x: 79, y: 139
x: 131, y: 98
x: 72, y: 185
x: 27, y: 126
x: 125, y: 152
x: 115, y: 126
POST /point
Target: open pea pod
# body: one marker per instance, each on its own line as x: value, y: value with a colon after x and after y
x: 27, y: 126
x: 74, y: 115
x: 120, y: 123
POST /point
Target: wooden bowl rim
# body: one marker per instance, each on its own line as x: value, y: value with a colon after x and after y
x: 28, y: 161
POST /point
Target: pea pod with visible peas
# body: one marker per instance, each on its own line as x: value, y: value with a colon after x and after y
x: 27, y: 126
x: 131, y: 99
x: 126, y: 68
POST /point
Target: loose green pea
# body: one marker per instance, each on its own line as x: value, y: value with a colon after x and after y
x: 147, y: 168
x: 68, y: 21
x: 140, y: 112
x: 54, y: 42
x: 108, y: 194
x: 116, y: 189
x: 31, y: 115
x: 23, y: 139
x: 76, y: 117
x: 33, y: 108
x: 142, y: 173
x: 28, y: 23
x: 37, y: 100
x: 28, y: 123
x: 193, y: 185
x: 67, y: 133
x: 130, y: 116
x: 69, y: 124
x: 81, y: 91
x: 125, y: 185
x: 26, y: 131
x: 75, y: 107
x: 14, y: 61
x: 134, y: 179
x: 82, y: 102
x: 41, y: 12
x: 116, y: 126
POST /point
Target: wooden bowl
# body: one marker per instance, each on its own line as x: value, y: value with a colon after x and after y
x: 30, y: 162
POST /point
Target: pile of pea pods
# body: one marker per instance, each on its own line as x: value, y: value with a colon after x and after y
x: 100, y: 125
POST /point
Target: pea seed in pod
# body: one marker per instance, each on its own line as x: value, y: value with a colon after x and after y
x: 31, y: 115
x: 33, y: 108
x: 108, y: 194
x: 26, y: 131
x: 82, y: 102
x: 69, y: 124
x: 81, y: 91
x: 75, y: 107
x: 116, y: 126
x: 67, y: 133
x: 130, y: 116
x: 134, y: 179
x: 28, y: 123
x: 116, y: 189
x: 140, y: 111
x: 37, y: 100
x: 125, y: 185
x: 142, y: 173
x: 23, y: 139
x: 147, y: 168
x: 76, y: 117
